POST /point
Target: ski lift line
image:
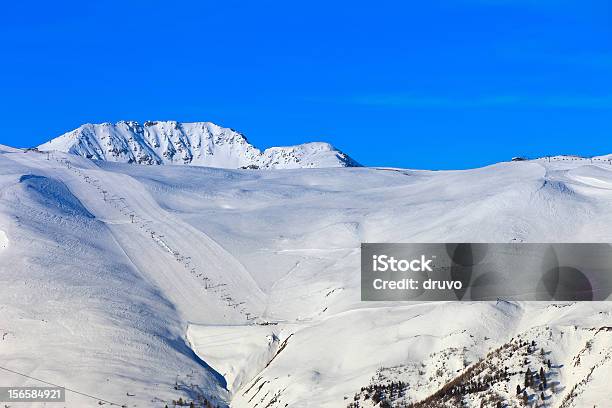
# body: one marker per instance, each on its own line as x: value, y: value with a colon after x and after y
x: 61, y: 386
x: 125, y: 209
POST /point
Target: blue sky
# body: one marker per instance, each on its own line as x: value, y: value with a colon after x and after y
x: 432, y: 84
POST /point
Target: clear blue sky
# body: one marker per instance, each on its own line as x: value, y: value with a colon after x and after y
x: 419, y: 84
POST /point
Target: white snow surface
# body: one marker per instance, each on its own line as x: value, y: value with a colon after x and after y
x: 142, y: 284
x: 198, y: 143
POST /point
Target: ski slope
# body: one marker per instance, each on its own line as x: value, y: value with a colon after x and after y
x: 142, y: 284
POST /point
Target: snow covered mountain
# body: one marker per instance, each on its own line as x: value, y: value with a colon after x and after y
x: 199, y: 144
x: 139, y: 285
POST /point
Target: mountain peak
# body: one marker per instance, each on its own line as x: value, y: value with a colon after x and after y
x: 195, y: 143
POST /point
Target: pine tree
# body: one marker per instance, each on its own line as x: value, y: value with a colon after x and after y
x: 548, y: 363
x: 518, y: 389
x: 544, y: 383
x: 525, y: 397
x: 527, y: 377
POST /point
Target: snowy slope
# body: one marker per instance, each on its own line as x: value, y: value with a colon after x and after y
x: 125, y: 279
x: 199, y: 143
x: 75, y: 309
